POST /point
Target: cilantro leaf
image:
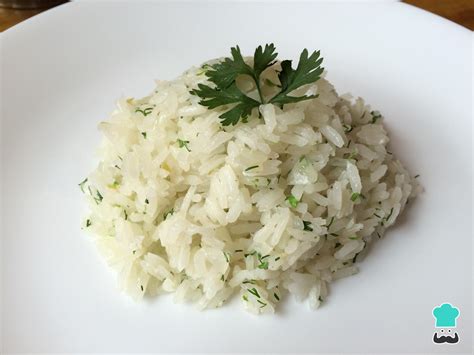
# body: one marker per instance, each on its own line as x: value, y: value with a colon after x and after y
x: 263, y: 58
x: 223, y: 74
x: 215, y: 97
x: 225, y: 91
x: 308, y: 71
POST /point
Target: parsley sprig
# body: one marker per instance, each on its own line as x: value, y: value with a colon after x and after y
x: 225, y: 91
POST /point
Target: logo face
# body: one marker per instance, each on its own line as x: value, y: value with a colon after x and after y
x: 445, y: 316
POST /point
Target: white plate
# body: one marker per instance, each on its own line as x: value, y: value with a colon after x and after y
x: 62, y: 72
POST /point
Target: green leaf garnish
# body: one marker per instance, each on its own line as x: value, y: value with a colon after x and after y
x: 254, y: 292
x: 97, y: 197
x: 251, y: 168
x: 355, y: 196
x: 183, y: 144
x: 145, y: 112
x: 293, y: 201
x: 389, y: 215
x: 166, y: 214
x: 307, y: 226
x: 225, y: 91
x: 81, y: 185
x: 308, y: 71
x: 249, y: 282
x: 375, y: 116
x: 347, y: 128
x: 330, y: 222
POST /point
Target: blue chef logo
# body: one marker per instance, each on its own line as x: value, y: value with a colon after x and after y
x: 445, y: 316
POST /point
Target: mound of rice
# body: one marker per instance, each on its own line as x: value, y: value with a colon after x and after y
x: 283, y: 203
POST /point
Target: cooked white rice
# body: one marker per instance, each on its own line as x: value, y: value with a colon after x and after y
x: 211, y: 218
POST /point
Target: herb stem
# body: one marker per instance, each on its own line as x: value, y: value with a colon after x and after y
x: 257, y: 83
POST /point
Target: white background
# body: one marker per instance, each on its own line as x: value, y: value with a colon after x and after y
x: 62, y: 72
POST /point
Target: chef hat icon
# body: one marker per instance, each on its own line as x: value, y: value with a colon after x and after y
x: 445, y: 315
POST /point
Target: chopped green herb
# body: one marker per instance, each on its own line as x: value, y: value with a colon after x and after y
x: 249, y: 282
x: 144, y: 134
x: 378, y: 234
x: 88, y: 223
x: 250, y: 254
x: 183, y: 144
x: 376, y: 215
x: 263, y: 264
x: 293, y: 201
x: 125, y: 213
x: 320, y: 299
x: 133, y: 252
x: 390, y: 214
x: 166, y: 214
x: 145, y: 112
x: 98, y: 197
x: 227, y: 256
x: 225, y: 90
x: 350, y: 156
x: 355, y: 196
x: 81, y: 185
x: 276, y: 296
x: 277, y: 258
x: 263, y: 304
x: 238, y: 250
x: 307, y: 226
x: 375, y: 116
x: 354, y: 259
x: 245, y: 298
x: 146, y: 201
x: 254, y: 292
x: 417, y: 176
x: 118, y: 167
x: 251, y: 167
x: 330, y: 222
x: 348, y: 143
x: 334, y: 234
x: 354, y: 237
x: 347, y: 128
x: 141, y: 287
x: 222, y: 278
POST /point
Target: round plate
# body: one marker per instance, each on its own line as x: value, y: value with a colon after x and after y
x: 63, y: 71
